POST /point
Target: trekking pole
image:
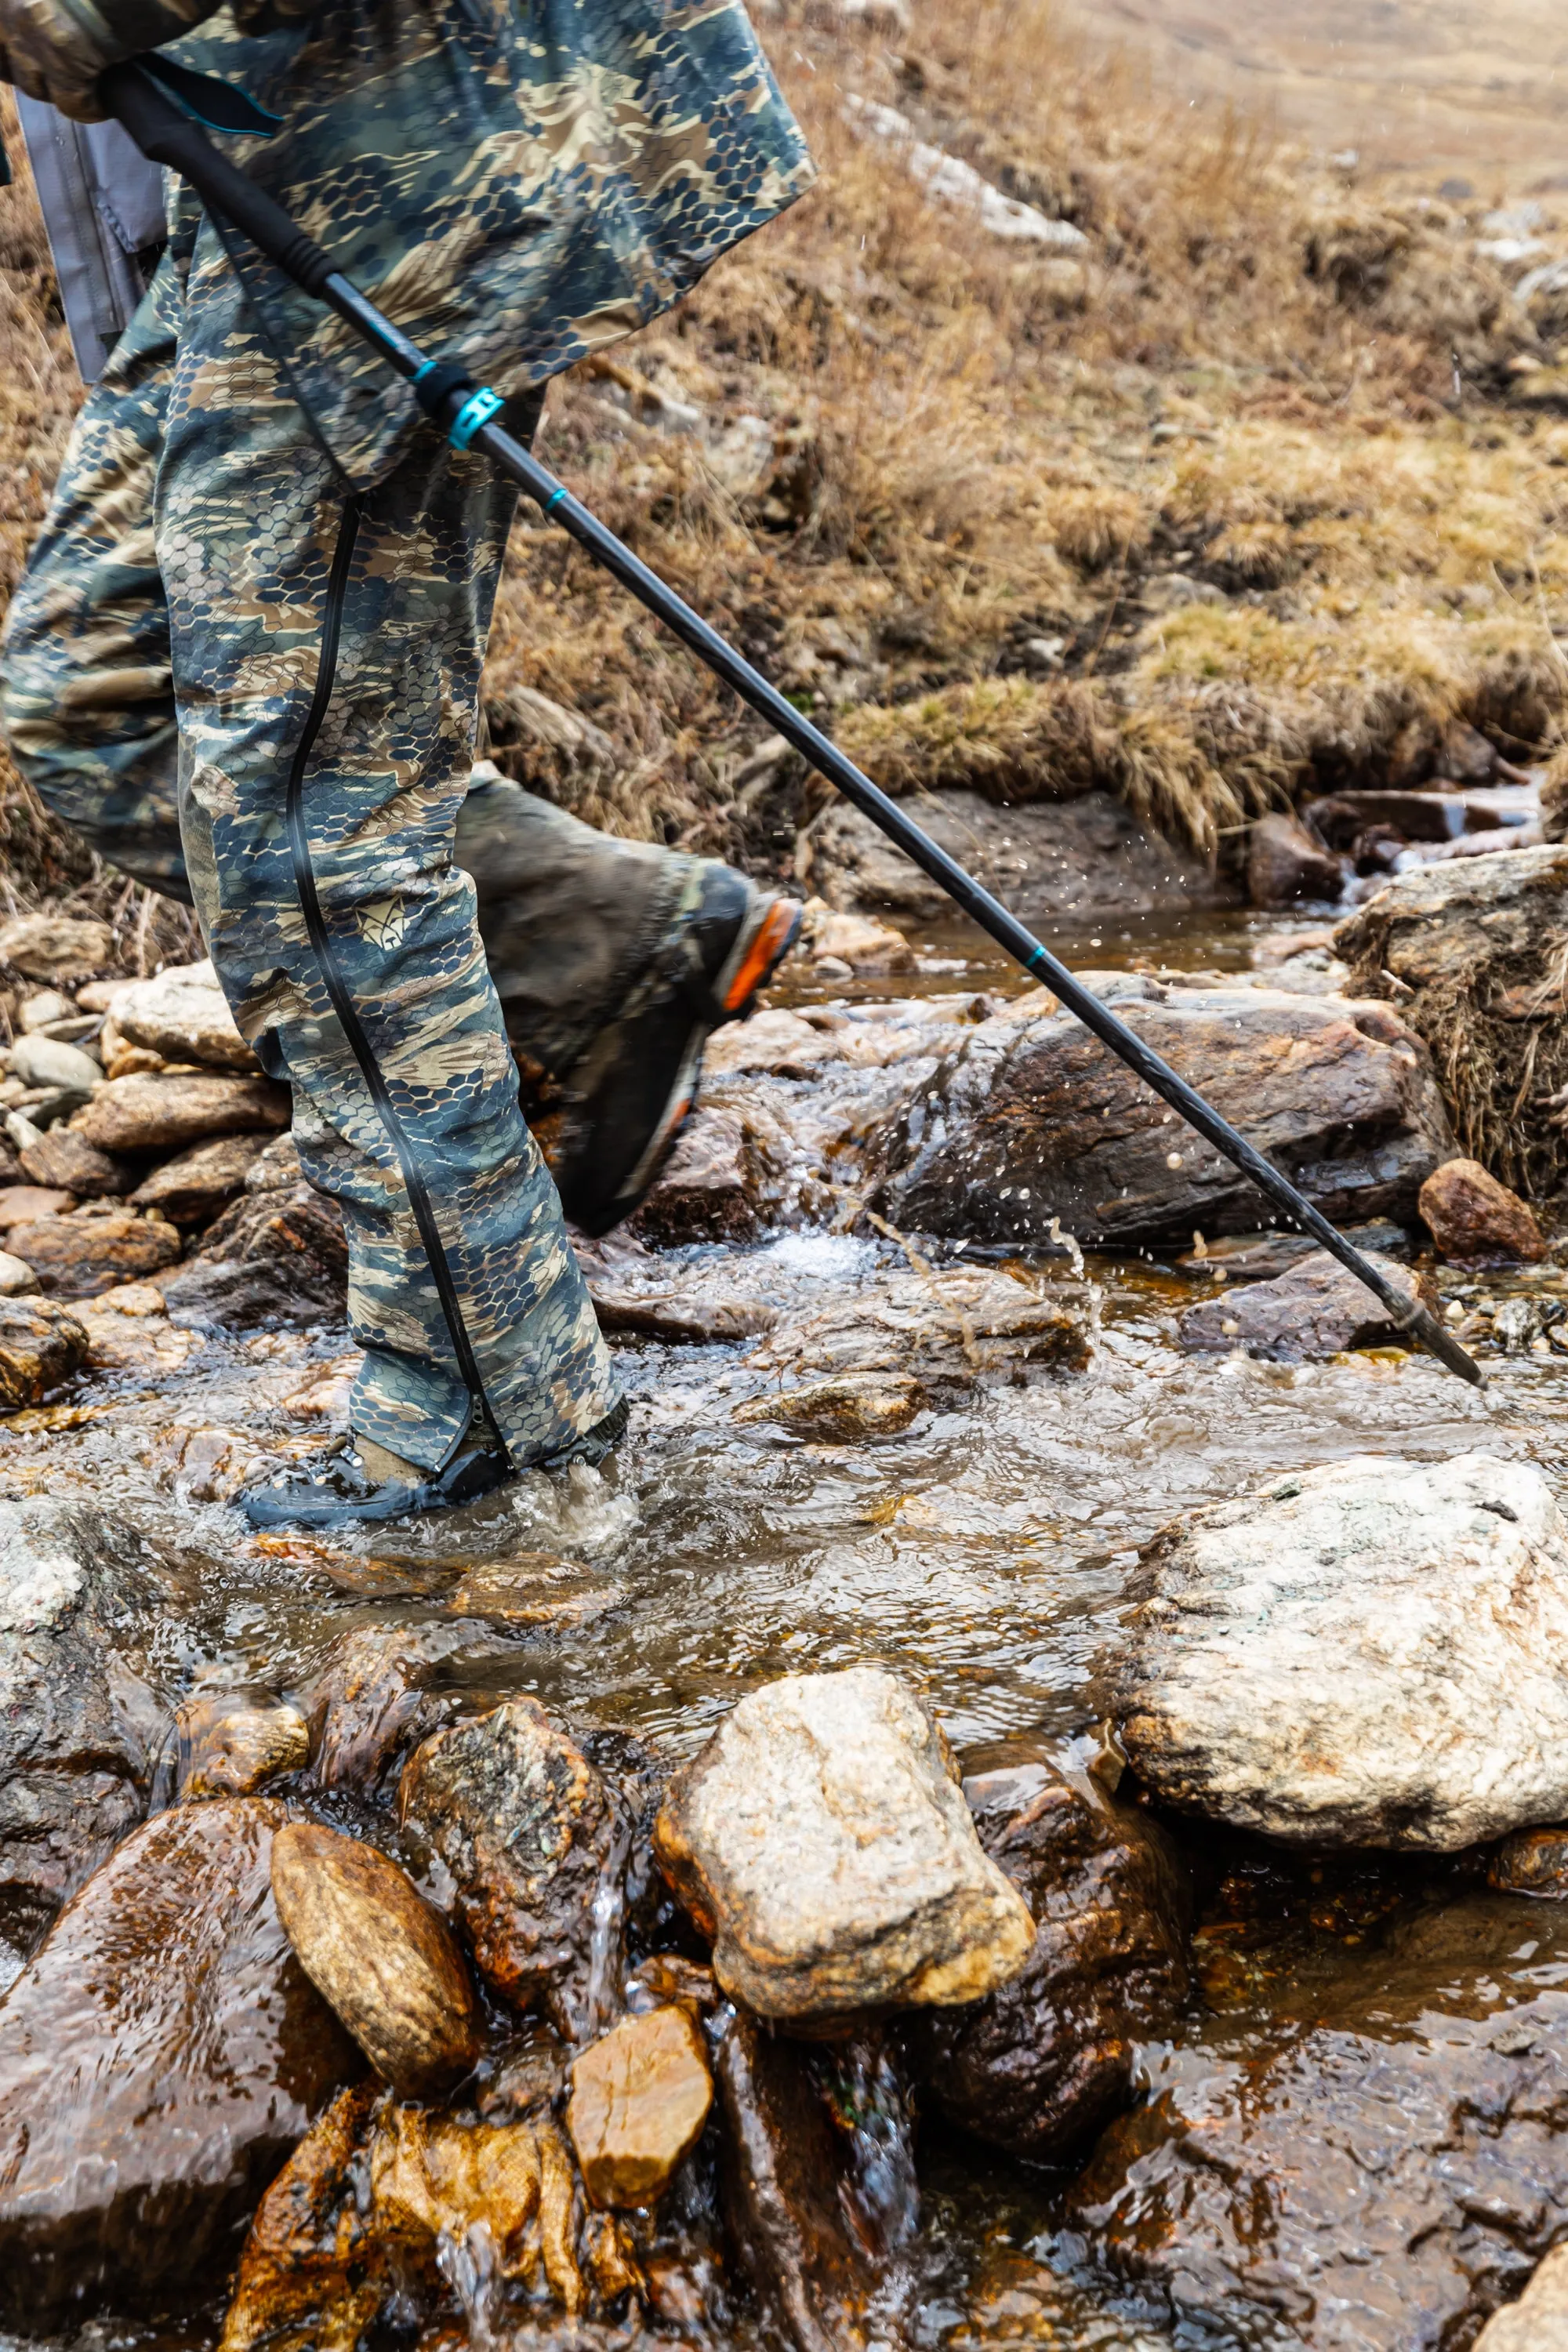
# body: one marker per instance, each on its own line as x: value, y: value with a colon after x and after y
x: 468, y: 411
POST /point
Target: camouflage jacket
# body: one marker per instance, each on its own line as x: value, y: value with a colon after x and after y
x: 516, y: 182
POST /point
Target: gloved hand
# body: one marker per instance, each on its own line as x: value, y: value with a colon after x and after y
x: 55, y: 51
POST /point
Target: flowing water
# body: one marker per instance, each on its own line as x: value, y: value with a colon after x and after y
x: 984, y: 1553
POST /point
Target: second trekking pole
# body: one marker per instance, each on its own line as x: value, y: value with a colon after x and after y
x: 469, y: 414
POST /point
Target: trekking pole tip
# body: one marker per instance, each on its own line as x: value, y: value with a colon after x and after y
x: 1423, y: 1327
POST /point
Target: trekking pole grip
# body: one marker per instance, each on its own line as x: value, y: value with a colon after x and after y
x: 166, y: 134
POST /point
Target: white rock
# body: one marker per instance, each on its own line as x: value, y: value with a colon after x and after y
x: 1370, y: 1653
x: 951, y: 181
x: 1538, y: 2322
x: 17, y: 1279
x: 823, y: 1834
x: 183, y: 1014
x: 46, y: 1062
x: 41, y: 1011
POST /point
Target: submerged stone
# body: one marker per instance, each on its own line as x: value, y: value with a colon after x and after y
x: 822, y: 1840
x: 195, y: 2052
x: 1043, y: 2063
x: 1373, y: 1653
x: 376, y: 1950
x: 232, y: 1742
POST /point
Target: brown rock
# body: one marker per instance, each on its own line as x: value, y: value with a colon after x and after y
x: 1531, y: 1861
x: 855, y: 1404
x: 41, y: 1344
x: 1538, y: 2322
x: 55, y: 947
x: 356, y: 2224
x: 640, y: 2096
x: 946, y: 1328
x: 183, y: 1014
x: 814, y: 2275
x: 275, y: 1256
x: 531, y: 1836
x: 821, y: 1838
x: 195, y: 2051
x: 1285, y: 863
x: 1315, y: 1310
x: 377, y: 1699
x: 15, y: 1276
x: 67, y: 1163
x: 375, y: 1949
x: 1030, y: 1120
x: 77, y: 1258
x: 195, y: 1184
x: 161, y: 1114
x: 1476, y: 1221
x: 24, y: 1204
x: 714, y: 1189
x: 1045, y: 2063
x: 870, y: 948
x: 231, y: 1742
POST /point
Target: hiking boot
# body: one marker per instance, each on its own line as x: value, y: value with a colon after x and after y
x: 627, y: 1098
x: 349, y: 1488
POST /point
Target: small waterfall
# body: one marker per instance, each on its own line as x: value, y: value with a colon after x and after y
x: 471, y: 2268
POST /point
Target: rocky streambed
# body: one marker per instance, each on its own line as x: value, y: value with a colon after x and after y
x: 1022, y: 1808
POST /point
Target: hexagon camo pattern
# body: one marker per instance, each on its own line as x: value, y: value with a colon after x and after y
x: 193, y: 467
x: 516, y: 182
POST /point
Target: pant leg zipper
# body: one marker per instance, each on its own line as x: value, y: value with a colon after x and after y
x: 337, y: 989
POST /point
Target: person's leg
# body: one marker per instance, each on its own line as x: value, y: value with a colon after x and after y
x: 326, y: 651
x: 88, y: 701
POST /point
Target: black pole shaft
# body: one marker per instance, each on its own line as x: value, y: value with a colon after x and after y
x: 167, y: 135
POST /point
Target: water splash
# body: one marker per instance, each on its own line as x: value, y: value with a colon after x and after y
x: 871, y: 2106
x: 601, y: 1997
x: 471, y: 2268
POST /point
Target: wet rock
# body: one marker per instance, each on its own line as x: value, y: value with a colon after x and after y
x: 40, y: 1061
x: 276, y: 1167
x: 868, y: 947
x: 196, y: 2051
x: 24, y: 1204
x: 1538, y: 2322
x: 232, y: 1742
x: 41, y: 1344
x: 814, y: 2274
x: 158, y: 1113
x: 195, y: 1184
x: 1531, y: 1861
x: 854, y: 1405
x: 1468, y: 950
x: 781, y: 1044
x: 716, y: 1188
x: 16, y: 1276
x: 947, y: 1328
x: 1042, y: 2064
x: 1315, y: 1310
x: 55, y: 947
x: 77, y: 1256
x: 821, y: 1838
x: 64, y: 1161
x: 184, y: 1015
x: 1285, y: 862
x: 382, y: 2205
x: 1377, y: 2169
x: 535, y: 1842
x: 640, y: 2096
x: 377, y: 1698
x: 275, y: 1256
x: 375, y: 1949
x: 1476, y: 1221
x: 1030, y: 1119
x: 1369, y: 1653
x: 85, y: 1648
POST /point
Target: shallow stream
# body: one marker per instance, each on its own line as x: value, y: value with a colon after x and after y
x: 985, y: 1553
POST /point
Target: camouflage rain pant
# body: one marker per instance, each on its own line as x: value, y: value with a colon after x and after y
x: 208, y: 602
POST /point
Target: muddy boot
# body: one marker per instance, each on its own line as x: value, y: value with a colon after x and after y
x: 360, y: 1483
x: 614, y: 961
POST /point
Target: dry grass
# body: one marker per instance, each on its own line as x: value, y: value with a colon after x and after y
x: 921, y: 451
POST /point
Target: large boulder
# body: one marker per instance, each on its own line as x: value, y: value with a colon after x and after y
x: 159, y: 2058
x: 1375, y: 2167
x: 822, y: 1840
x: 1471, y: 953
x: 1043, y: 2063
x: 1370, y: 1653
x: 1031, y: 1119
x: 535, y: 1842
x: 87, y: 1651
